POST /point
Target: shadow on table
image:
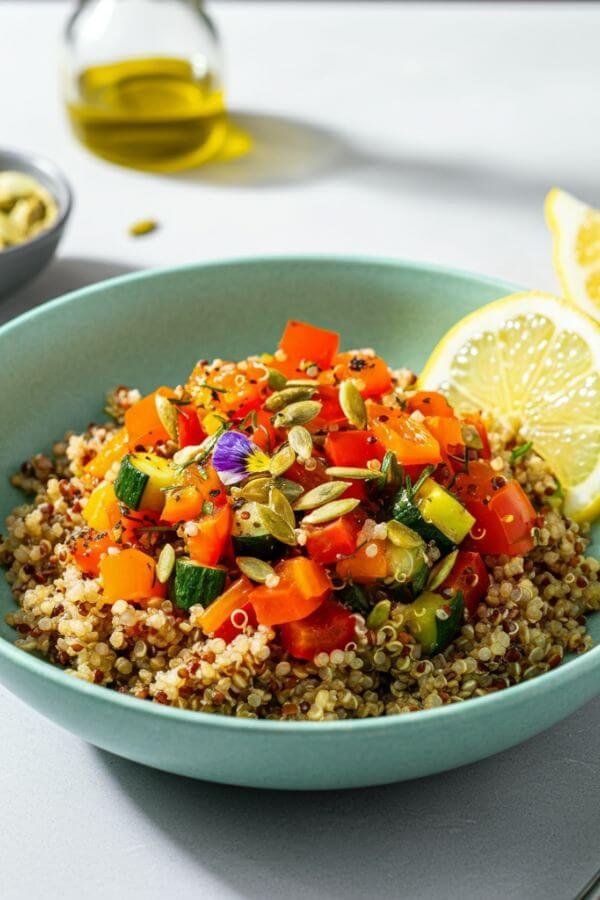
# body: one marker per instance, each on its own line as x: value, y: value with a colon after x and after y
x: 485, y: 831
x: 288, y: 151
x: 64, y: 274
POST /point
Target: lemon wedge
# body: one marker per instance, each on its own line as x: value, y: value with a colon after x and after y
x: 532, y: 361
x: 575, y: 230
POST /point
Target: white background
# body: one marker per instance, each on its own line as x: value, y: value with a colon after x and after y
x: 428, y: 131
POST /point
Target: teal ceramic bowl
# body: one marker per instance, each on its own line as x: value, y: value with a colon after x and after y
x: 150, y: 328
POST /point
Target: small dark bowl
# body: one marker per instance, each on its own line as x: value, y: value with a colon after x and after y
x: 20, y: 264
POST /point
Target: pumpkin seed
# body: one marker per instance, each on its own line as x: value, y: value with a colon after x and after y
x: 165, y: 563
x: 280, y: 504
x: 441, y: 570
x: 402, y: 536
x: 353, y: 405
x: 301, y: 442
x: 167, y: 414
x: 144, y: 226
x: 471, y: 437
x: 288, y: 395
x: 379, y: 614
x: 275, y: 525
x: 275, y: 380
x: 322, y: 493
x: 297, y: 414
x: 282, y: 460
x: 256, y: 489
x: 254, y: 569
x: 330, y: 511
x: 349, y: 472
x: 302, y: 382
x: 290, y: 489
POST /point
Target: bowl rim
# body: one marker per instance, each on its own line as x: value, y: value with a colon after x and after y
x: 65, y: 204
x: 568, y: 671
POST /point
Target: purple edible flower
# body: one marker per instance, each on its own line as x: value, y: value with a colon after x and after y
x: 235, y: 457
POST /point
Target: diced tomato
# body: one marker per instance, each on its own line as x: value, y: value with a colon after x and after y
x: 430, y: 403
x: 363, y: 567
x: 88, y: 550
x: 232, y: 626
x: 235, y: 597
x: 301, y: 341
x: 102, y: 511
x: 470, y: 577
x: 409, y: 439
x: 303, y: 585
x: 113, y: 451
x: 212, y: 539
x: 129, y: 575
x: 330, y: 627
x: 370, y: 373
x: 325, y: 543
x: 189, y: 430
x: 352, y: 448
x: 504, y: 515
x: 143, y: 425
x: 308, y: 478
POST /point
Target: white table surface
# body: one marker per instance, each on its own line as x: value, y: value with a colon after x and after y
x: 427, y: 131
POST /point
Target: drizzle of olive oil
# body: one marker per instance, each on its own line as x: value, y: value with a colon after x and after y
x: 150, y: 114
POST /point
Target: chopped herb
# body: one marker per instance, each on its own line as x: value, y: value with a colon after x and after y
x: 176, y: 402
x: 208, y: 508
x: 211, y: 387
x: 520, y: 451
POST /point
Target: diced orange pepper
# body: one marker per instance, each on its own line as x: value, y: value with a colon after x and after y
x: 446, y: 431
x: 102, y: 511
x: 129, y: 528
x: 212, y: 539
x: 430, y: 403
x: 88, y: 550
x: 409, y: 439
x: 113, y: 451
x: 363, y: 567
x: 303, y: 585
x: 182, y: 504
x: 370, y: 373
x: 208, y: 483
x: 352, y: 448
x: 238, y: 389
x: 301, y: 341
x: 331, y: 412
x: 220, y: 609
x: 142, y: 423
x: 129, y: 575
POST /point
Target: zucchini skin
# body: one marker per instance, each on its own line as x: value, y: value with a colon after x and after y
x: 130, y: 483
x: 405, y: 511
x: 261, y: 546
x: 434, y: 634
x: 195, y: 583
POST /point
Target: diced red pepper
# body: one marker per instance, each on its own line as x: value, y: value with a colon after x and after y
x: 308, y: 478
x: 211, y: 541
x: 476, y: 420
x: 263, y: 433
x: 325, y: 543
x: 430, y: 403
x: 143, y: 425
x: 301, y: 341
x: 470, y: 577
x: 189, y: 430
x: 89, y: 549
x: 370, y: 373
x: 330, y: 627
x: 303, y: 585
x: 352, y: 448
x: 231, y: 627
x: 331, y: 412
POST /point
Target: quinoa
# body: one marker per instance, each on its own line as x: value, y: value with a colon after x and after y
x: 534, y: 614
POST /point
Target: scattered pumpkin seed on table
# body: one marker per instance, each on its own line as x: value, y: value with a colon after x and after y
x: 144, y: 226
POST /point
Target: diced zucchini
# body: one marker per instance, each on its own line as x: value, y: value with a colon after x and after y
x: 195, y: 583
x: 405, y: 563
x: 142, y: 480
x: 249, y: 536
x: 434, y: 621
x: 405, y: 512
x: 439, y: 507
x: 354, y: 596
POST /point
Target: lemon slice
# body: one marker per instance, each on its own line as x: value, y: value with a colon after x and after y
x: 575, y: 229
x: 533, y: 362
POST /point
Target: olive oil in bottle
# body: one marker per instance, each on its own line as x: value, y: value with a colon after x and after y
x: 149, y: 114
